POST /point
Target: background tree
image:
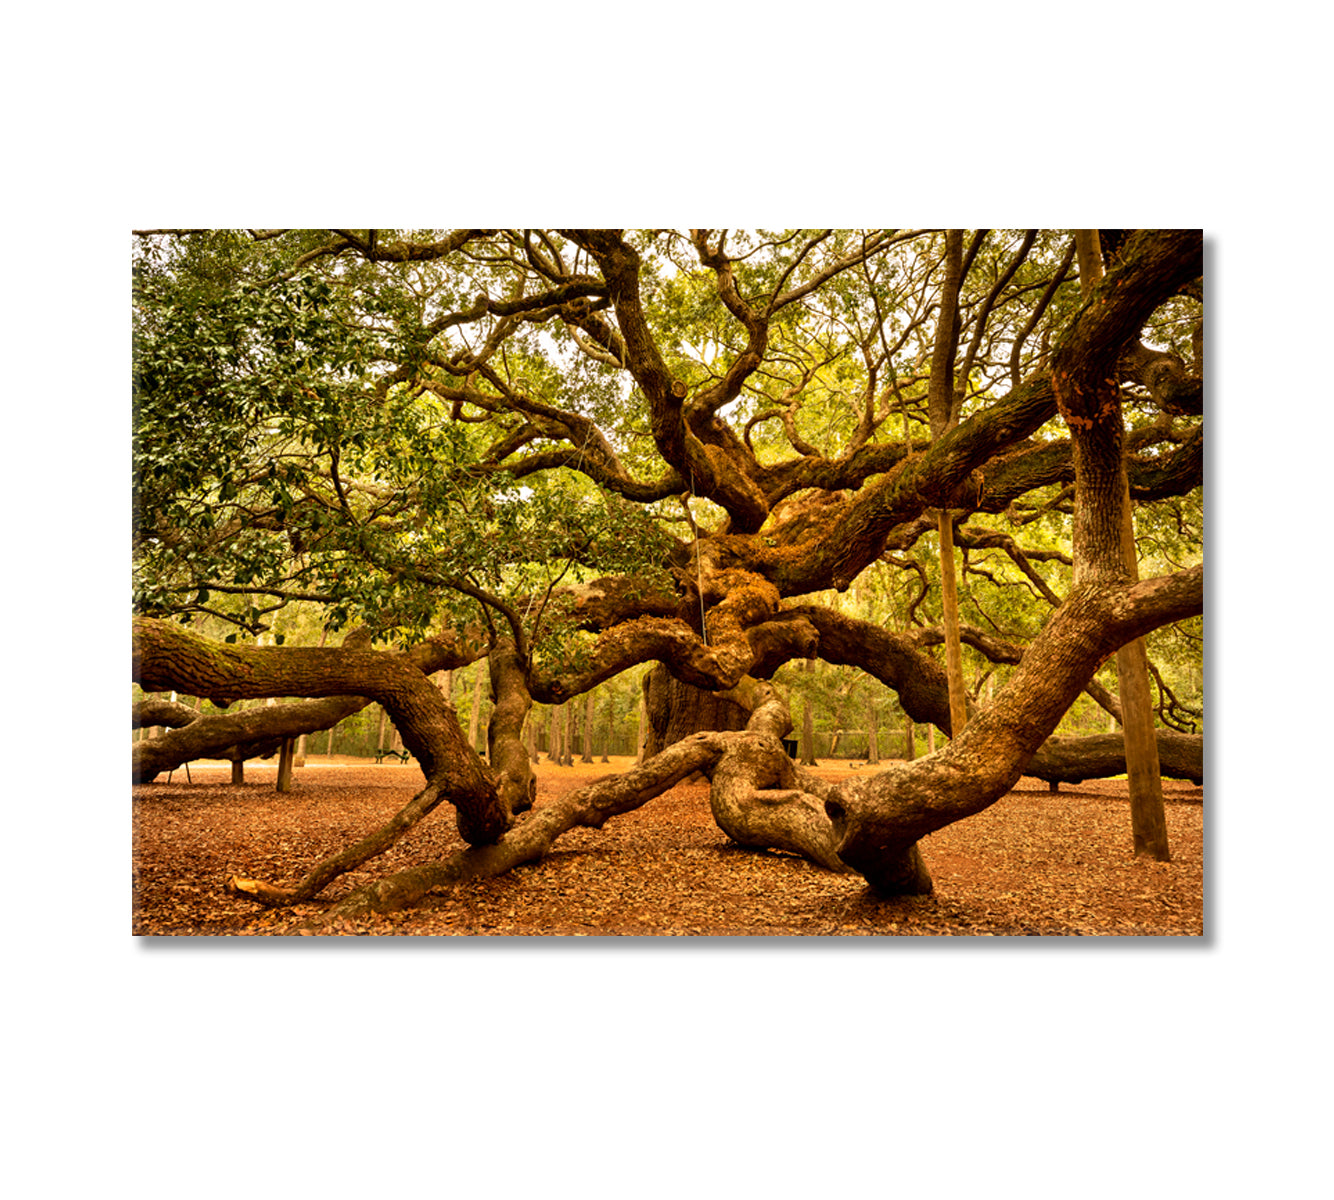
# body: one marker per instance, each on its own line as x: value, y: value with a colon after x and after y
x: 1148, y: 820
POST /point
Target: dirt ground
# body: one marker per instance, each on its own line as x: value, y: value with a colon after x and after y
x: 1035, y: 863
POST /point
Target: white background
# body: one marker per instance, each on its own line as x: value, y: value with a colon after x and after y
x: 731, y: 1068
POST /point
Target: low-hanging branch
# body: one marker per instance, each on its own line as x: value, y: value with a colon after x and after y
x: 167, y: 657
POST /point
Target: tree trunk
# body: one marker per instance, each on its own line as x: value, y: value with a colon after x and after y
x: 285, y: 756
x: 553, y: 734
x: 949, y: 599
x: 909, y: 739
x: 539, y: 720
x: 1148, y: 817
x: 555, y: 727
x: 475, y: 717
x: 807, y: 734
x: 567, y: 737
x: 1148, y: 820
x: 611, y: 725
x: 943, y: 407
x: 530, y: 737
x: 587, y: 755
x: 872, y: 734
x: 506, y: 751
x: 675, y: 710
x: 808, y: 724
x: 238, y: 772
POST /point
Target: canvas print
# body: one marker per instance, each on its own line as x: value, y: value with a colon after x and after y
x: 668, y: 582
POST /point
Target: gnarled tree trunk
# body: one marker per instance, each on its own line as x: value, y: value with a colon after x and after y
x: 675, y: 710
x: 506, y: 751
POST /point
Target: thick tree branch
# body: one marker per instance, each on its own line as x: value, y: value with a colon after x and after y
x: 166, y: 657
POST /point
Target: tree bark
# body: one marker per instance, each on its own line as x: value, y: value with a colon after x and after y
x: 506, y: 751
x: 1073, y: 760
x: 475, y: 716
x: 761, y: 798
x: 285, y: 757
x: 554, y: 726
x: 807, y: 724
x: 949, y: 599
x: 166, y: 656
x: 247, y: 733
x: 1148, y: 816
x: 1148, y: 819
x: 675, y: 710
x: 587, y: 756
x: 641, y: 739
x: 610, y: 735
x: 153, y: 710
x: 943, y: 403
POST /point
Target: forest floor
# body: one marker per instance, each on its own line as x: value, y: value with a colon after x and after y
x: 1035, y: 863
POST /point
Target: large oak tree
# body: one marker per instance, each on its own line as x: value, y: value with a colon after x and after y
x: 580, y: 451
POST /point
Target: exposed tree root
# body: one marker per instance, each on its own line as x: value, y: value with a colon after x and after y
x: 325, y: 872
x: 759, y: 797
x: 534, y: 834
x: 742, y: 765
